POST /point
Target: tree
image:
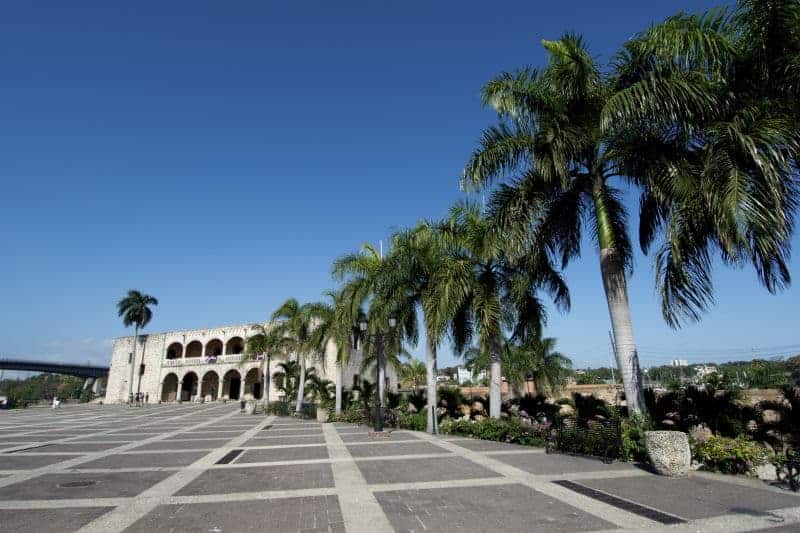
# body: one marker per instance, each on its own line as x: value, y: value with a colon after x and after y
x: 287, y: 378
x: 135, y: 311
x: 412, y: 373
x: 708, y: 105
x: 294, y: 322
x: 481, y: 289
x: 262, y: 347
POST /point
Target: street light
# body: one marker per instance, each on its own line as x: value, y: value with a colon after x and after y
x: 362, y: 325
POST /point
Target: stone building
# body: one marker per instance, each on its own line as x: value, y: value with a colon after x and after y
x: 207, y: 365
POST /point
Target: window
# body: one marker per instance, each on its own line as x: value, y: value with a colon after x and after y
x: 356, y: 381
x: 141, y: 369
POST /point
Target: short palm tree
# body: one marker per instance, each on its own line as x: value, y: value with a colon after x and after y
x: 262, y: 346
x: 294, y: 322
x: 135, y: 311
x: 412, y: 373
x: 482, y: 289
x: 287, y: 377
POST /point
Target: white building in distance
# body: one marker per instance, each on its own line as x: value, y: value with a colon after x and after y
x: 208, y: 365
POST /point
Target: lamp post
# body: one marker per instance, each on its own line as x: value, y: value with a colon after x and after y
x: 378, y: 365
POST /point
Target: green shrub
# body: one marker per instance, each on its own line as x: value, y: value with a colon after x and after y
x: 414, y: 422
x: 632, y: 430
x: 511, y: 431
x: 354, y: 414
x: 730, y: 455
x: 279, y: 408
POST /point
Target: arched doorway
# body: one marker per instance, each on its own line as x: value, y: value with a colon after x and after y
x: 175, y: 351
x: 214, y: 348
x: 252, y: 384
x: 210, y: 385
x: 194, y: 349
x: 234, y: 346
x: 189, y: 387
x: 169, y: 389
x: 231, y: 385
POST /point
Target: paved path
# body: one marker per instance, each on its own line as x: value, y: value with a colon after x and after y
x: 208, y: 468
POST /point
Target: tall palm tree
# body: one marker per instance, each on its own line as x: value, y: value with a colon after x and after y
x: 482, y: 289
x: 708, y: 107
x: 413, y: 373
x: 551, y: 145
x: 135, y: 311
x: 294, y: 322
x: 262, y: 346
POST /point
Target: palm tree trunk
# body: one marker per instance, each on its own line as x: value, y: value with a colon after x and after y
x: 615, y: 285
x: 382, y: 381
x: 301, y: 385
x: 266, y: 387
x: 339, y: 378
x: 133, y: 359
x: 495, y: 398
x: 430, y: 367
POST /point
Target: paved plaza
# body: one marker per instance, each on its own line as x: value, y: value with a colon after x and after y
x: 209, y: 468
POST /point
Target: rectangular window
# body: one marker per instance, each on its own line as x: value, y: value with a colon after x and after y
x: 141, y: 369
x: 130, y: 357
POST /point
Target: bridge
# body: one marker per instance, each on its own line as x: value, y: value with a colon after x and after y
x: 69, y: 369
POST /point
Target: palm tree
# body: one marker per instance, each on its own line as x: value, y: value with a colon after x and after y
x: 294, y: 322
x: 135, y: 311
x: 412, y: 372
x: 261, y: 347
x: 392, y: 358
x: 708, y: 106
x: 551, y: 140
x: 481, y: 288
x: 286, y: 378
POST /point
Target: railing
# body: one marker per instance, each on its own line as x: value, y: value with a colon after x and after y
x: 186, y: 361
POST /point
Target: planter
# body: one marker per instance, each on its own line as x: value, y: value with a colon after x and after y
x: 322, y: 415
x: 669, y: 452
x: 250, y: 408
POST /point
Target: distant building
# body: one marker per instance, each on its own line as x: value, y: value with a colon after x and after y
x: 679, y: 362
x: 703, y: 371
x: 464, y: 375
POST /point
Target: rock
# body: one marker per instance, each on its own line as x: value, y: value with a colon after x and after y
x: 504, y: 416
x: 464, y: 410
x: 478, y: 418
x: 514, y: 409
x: 668, y: 452
x: 771, y: 416
x: 667, y: 422
x: 477, y: 407
x: 566, y: 410
x: 700, y: 433
x: 766, y: 472
x: 525, y: 422
x: 411, y: 408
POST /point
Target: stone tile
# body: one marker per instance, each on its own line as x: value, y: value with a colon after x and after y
x: 694, y: 497
x: 416, y: 470
x: 553, y: 464
x: 319, y: 514
x: 144, y: 460
x: 197, y: 444
x: 48, y: 520
x: 106, y: 485
x: 19, y: 461
x: 283, y: 454
x: 478, y: 445
x: 276, y: 432
x: 285, y: 441
x: 251, y: 479
x: 365, y: 437
x: 506, y: 508
x: 77, y: 447
x: 378, y: 449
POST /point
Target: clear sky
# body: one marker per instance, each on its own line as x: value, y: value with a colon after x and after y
x: 219, y: 155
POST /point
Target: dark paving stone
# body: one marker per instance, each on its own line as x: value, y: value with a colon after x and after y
x: 107, y: 485
x: 279, y: 477
x: 506, y: 508
x: 275, y: 432
x: 393, y: 448
x: 48, y: 520
x: 366, y: 437
x: 353, y: 429
x: 207, y: 444
x: 415, y: 470
x: 56, y: 435
x: 478, y: 445
x: 77, y: 447
x: 318, y: 514
x: 694, y: 497
x: 284, y: 454
x: 186, y: 439
x: 552, y: 464
x: 285, y: 441
x: 116, y: 438
x: 140, y: 460
x: 18, y: 461
x: 791, y: 528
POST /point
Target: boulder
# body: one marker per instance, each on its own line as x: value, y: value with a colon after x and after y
x: 411, y: 408
x: 669, y: 452
x: 700, y: 433
x: 478, y: 418
x: 464, y: 410
x: 771, y: 416
x: 477, y: 407
x: 566, y: 410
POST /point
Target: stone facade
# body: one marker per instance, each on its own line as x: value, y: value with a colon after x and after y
x: 206, y: 364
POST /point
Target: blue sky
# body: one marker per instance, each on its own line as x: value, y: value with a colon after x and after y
x: 219, y: 156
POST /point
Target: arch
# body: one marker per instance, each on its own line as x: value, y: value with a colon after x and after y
x: 234, y: 346
x: 252, y: 384
x: 213, y: 348
x: 175, y: 351
x: 209, y: 388
x: 231, y: 385
x: 189, y: 386
x: 169, y: 388
x: 194, y: 349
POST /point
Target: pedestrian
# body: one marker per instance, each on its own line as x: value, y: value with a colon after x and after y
x: 146, y: 398
x: 241, y: 405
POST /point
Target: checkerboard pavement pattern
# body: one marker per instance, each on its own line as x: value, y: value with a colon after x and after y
x: 209, y: 468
